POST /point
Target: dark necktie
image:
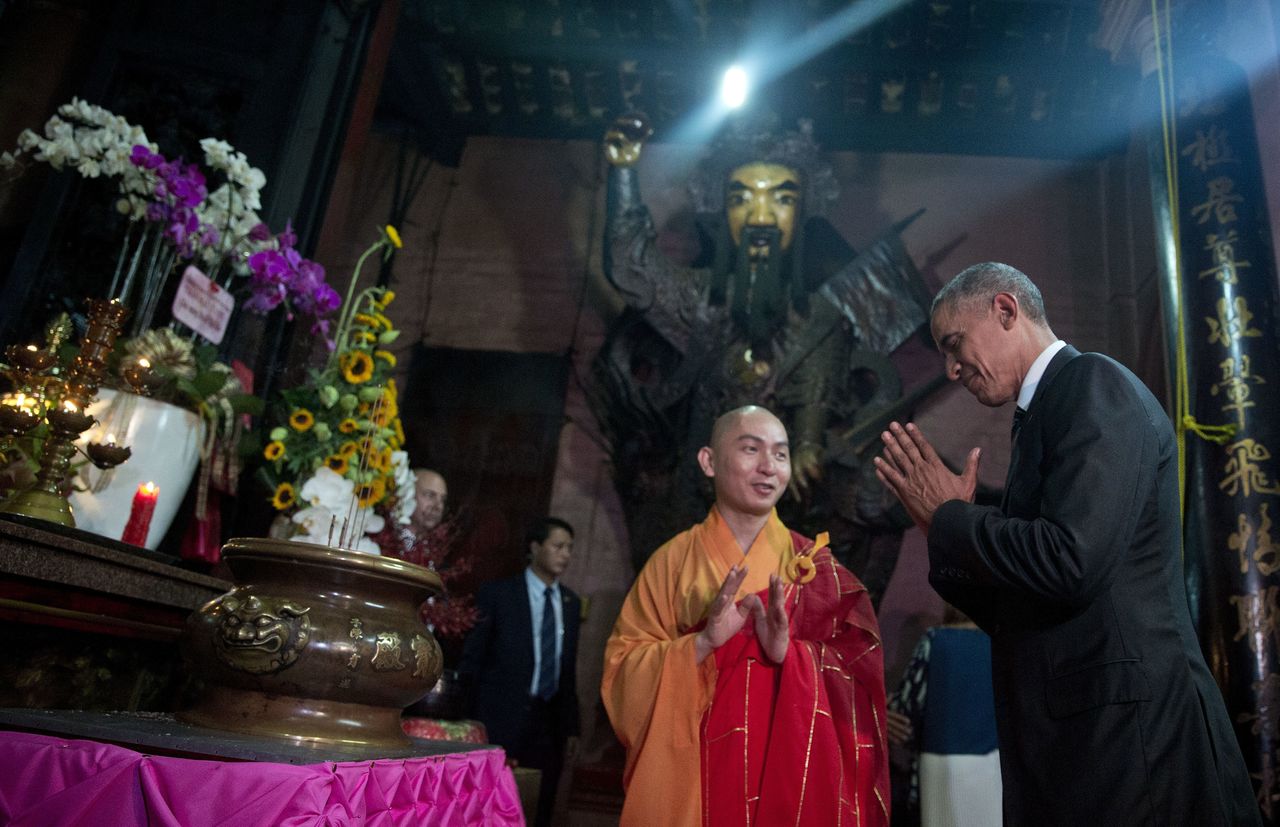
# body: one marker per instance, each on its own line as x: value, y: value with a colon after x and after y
x: 1018, y: 415
x: 547, y: 648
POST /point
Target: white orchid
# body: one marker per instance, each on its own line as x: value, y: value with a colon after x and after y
x: 406, y: 481
x: 325, y: 526
x: 328, y: 489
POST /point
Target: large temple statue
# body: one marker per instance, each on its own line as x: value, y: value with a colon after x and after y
x: 778, y: 311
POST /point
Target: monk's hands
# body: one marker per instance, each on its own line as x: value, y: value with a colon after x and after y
x: 771, y: 623
x: 911, y: 469
x: 725, y: 617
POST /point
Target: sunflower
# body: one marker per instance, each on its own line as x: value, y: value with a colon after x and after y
x: 284, y: 496
x: 274, y: 450
x: 357, y: 367
x: 301, y: 420
x: 337, y: 463
x: 348, y: 426
x: 349, y: 449
x: 362, y: 408
x: 399, y: 437
x: 383, y: 415
x: 386, y: 356
x: 393, y: 235
x: 371, y: 492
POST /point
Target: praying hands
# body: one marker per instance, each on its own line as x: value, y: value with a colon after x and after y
x: 912, y: 470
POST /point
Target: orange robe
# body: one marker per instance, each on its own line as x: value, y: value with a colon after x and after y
x: 738, y: 739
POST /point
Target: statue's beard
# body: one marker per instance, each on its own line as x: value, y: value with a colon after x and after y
x: 759, y: 244
x: 753, y: 280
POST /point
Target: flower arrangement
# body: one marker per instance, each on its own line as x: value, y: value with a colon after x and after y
x: 335, y: 464
x: 180, y: 218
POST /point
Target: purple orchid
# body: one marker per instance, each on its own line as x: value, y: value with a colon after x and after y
x: 281, y: 276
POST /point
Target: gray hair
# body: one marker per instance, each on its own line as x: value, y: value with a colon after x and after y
x: 981, y: 282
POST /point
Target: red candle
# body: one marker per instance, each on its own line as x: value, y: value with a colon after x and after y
x: 144, y: 504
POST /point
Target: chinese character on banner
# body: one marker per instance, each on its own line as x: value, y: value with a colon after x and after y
x: 1225, y: 266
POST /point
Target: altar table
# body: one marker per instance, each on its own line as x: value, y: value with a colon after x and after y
x: 51, y: 780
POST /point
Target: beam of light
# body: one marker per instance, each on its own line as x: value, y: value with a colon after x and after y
x: 734, y: 86
x: 701, y: 124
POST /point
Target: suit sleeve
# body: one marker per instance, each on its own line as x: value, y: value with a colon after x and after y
x: 569, y: 716
x: 1097, y: 472
x: 476, y: 649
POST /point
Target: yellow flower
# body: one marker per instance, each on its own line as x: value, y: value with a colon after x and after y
x: 336, y: 463
x: 364, y: 337
x: 391, y: 387
x: 371, y: 492
x: 274, y: 450
x: 357, y: 367
x: 366, y: 320
x: 301, y: 420
x: 284, y: 496
x: 349, y: 449
x: 388, y: 296
x: 386, y: 356
x: 349, y: 426
x: 382, y: 417
x: 394, y: 235
x: 399, y: 432
x: 362, y: 408
x: 383, y: 320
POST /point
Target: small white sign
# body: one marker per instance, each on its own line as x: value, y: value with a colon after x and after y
x: 202, y: 305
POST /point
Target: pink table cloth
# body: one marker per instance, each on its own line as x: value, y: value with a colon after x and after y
x: 54, y: 781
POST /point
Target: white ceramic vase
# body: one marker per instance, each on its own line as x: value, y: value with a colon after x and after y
x: 165, y: 440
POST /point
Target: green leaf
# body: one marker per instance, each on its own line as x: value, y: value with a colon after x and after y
x: 246, y: 403
x: 208, y: 383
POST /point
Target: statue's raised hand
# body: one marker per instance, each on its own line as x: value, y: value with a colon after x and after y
x: 625, y: 138
x: 806, y: 469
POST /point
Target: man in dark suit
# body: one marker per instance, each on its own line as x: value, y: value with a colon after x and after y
x: 1105, y: 710
x: 521, y: 657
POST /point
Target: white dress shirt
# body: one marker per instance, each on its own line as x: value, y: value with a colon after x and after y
x: 1032, y: 379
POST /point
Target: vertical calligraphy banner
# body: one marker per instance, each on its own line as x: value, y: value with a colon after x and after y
x: 1229, y: 306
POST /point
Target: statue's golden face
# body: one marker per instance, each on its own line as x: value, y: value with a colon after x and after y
x: 763, y: 195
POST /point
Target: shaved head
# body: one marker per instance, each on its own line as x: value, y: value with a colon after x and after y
x: 726, y: 422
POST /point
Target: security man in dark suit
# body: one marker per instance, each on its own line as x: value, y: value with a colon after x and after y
x: 521, y: 658
x: 1105, y: 711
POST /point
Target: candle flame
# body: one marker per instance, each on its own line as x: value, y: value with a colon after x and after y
x: 32, y: 348
x: 149, y: 488
x: 144, y: 362
x: 111, y: 439
x: 70, y: 407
